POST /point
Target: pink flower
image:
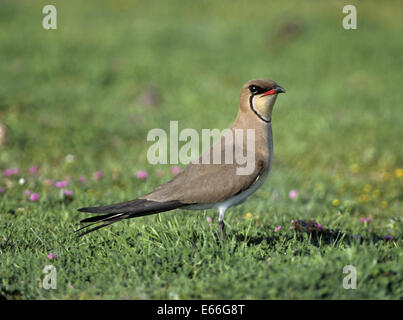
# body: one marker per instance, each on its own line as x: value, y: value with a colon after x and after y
x: 52, y: 256
x: 142, y: 175
x: 10, y: 172
x: 319, y: 226
x: 277, y: 228
x: 209, y: 220
x: 292, y: 221
x: 34, y: 197
x: 293, y: 194
x: 365, y: 220
x: 98, y: 174
x: 61, y: 184
x: 27, y: 192
x: 68, y: 193
x: 33, y: 170
x: 175, y: 170
x: 82, y: 179
x: 292, y: 227
x: 2, y: 189
x: 388, y: 237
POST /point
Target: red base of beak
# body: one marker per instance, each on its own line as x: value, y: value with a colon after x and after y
x: 270, y: 92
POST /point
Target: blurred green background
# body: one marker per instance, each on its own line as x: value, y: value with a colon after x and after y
x: 113, y: 70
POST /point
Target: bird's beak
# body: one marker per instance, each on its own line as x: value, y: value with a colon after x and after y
x: 279, y: 89
x: 275, y: 90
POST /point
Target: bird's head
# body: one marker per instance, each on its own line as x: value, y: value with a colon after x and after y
x: 258, y: 96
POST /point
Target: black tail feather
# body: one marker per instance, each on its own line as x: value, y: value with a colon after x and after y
x: 98, y: 218
x: 138, y: 205
x: 125, y: 210
x: 94, y: 229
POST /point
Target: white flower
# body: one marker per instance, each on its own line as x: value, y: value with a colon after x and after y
x: 69, y: 158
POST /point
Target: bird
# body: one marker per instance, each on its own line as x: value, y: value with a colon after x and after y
x: 202, y: 184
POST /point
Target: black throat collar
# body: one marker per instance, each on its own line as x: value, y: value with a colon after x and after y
x: 255, y: 111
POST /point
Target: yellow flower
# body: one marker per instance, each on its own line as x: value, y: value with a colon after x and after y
x: 384, y: 204
x: 367, y: 188
x: 248, y: 215
x: 364, y: 198
x: 376, y: 193
x: 335, y: 202
x: 399, y: 173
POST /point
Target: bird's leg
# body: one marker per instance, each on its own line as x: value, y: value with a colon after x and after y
x: 221, y: 225
x: 221, y: 229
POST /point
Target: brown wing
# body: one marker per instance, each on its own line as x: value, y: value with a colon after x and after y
x: 206, y: 183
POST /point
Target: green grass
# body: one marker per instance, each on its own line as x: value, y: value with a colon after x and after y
x: 337, y: 136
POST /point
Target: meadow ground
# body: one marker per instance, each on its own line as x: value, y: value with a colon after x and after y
x: 77, y: 102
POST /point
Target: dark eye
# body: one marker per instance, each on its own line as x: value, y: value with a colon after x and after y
x: 254, y: 89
